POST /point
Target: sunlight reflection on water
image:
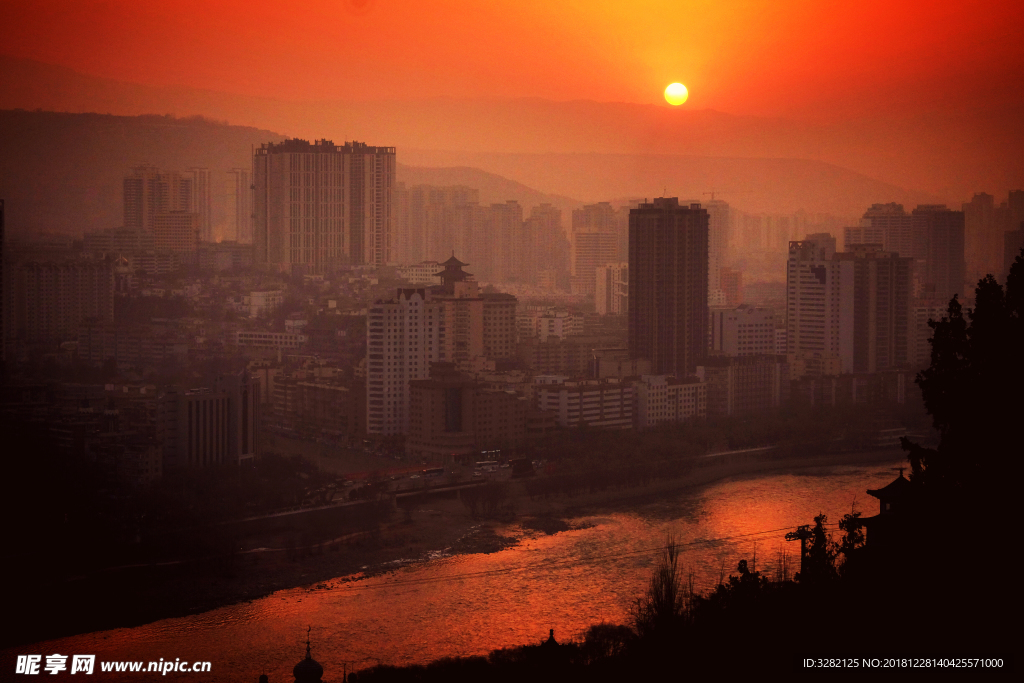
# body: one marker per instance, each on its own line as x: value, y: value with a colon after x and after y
x: 470, y: 604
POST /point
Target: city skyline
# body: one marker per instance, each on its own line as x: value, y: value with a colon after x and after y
x: 433, y: 340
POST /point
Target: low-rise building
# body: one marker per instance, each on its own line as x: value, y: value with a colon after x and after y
x: 453, y: 416
x: 606, y: 403
x: 743, y: 331
x: 269, y: 340
x: 661, y: 399
x: 745, y: 385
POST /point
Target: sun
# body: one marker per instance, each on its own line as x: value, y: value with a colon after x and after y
x: 676, y: 94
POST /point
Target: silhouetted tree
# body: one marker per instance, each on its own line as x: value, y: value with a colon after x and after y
x: 973, y: 390
x: 660, y: 612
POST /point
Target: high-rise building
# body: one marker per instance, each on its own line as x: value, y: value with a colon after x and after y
x: 545, y: 248
x: 719, y: 229
x: 241, y: 185
x: 611, y: 293
x: 668, y: 285
x: 863, y: 234
x: 888, y: 225
x: 849, y: 311
x: 882, y: 308
x: 594, y: 243
x: 201, y: 203
x: 504, y: 261
x: 1013, y: 242
x: 318, y: 203
x: 590, y: 251
x: 819, y: 301
x: 939, y: 250
x: 732, y: 286
x: 148, y: 192
x: 403, y: 339
x: 981, y: 235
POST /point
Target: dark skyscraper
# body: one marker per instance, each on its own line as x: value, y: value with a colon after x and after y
x: 939, y: 243
x: 668, y: 285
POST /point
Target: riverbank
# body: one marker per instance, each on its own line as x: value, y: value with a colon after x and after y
x: 138, y: 595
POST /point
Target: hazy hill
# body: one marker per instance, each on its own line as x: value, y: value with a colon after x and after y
x: 755, y: 185
x: 64, y: 172
x: 950, y: 154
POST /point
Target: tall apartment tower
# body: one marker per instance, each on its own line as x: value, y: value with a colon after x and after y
x: 148, y: 192
x: 982, y: 237
x: 939, y: 250
x: 201, y: 203
x: 425, y: 227
x: 543, y: 243
x: 885, y: 224
x: 819, y: 302
x: 241, y: 185
x: 719, y: 229
x: 319, y: 203
x: 403, y: 339
x: 594, y: 243
x: 668, y: 285
x: 612, y: 292
x: 883, y: 293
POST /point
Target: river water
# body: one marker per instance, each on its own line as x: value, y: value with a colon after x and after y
x: 466, y: 605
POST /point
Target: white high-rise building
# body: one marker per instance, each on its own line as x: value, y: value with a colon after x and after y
x: 403, y: 339
x: 819, y: 299
x: 319, y: 203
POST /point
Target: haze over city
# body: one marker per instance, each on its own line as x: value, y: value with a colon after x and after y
x: 507, y: 339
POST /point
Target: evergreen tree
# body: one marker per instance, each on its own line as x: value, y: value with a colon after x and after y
x: 973, y: 390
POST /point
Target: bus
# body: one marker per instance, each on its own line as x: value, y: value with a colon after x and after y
x: 432, y: 472
x: 487, y: 466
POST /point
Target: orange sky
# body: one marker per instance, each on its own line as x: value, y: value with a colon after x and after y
x: 798, y: 58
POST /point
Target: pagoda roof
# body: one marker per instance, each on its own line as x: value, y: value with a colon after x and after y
x: 454, y: 262
x: 897, y: 488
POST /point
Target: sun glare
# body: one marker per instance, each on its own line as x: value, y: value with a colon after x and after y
x: 676, y: 94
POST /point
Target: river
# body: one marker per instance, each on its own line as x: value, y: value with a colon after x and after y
x: 470, y: 604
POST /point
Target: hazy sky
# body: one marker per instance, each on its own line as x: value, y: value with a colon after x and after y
x: 807, y: 59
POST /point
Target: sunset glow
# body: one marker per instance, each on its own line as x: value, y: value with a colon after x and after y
x: 794, y: 58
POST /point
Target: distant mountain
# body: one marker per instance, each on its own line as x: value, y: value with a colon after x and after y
x: 756, y: 185
x: 949, y: 154
x: 64, y: 172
